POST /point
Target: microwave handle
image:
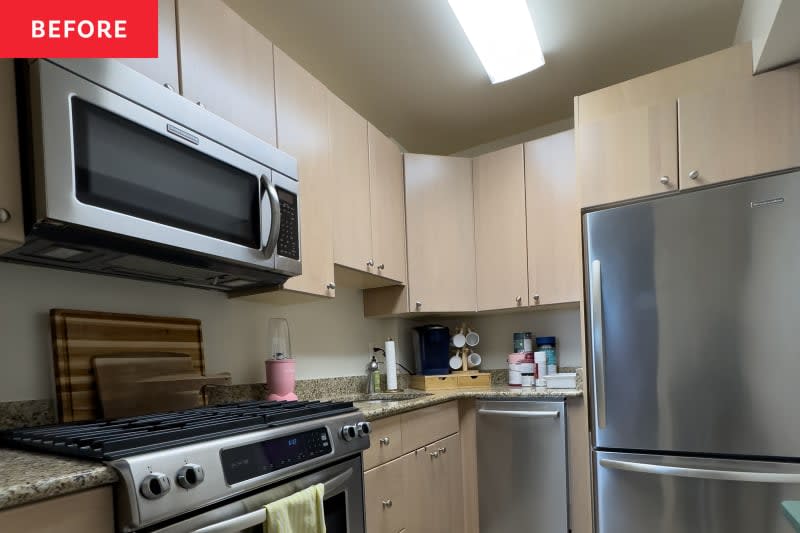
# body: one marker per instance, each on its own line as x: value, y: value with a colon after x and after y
x: 270, y: 194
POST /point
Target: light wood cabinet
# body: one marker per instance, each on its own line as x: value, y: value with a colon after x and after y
x: 388, y: 208
x: 387, y: 503
x: 302, y: 113
x: 386, y: 442
x: 553, y: 220
x: 743, y: 129
x: 11, y: 221
x: 437, y: 481
x: 90, y: 511
x: 628, y: 155
x: 501, y: 261
x: 350, y: 170
x: 164, y: 68
x: 227, y: 66
x: 440, y: 226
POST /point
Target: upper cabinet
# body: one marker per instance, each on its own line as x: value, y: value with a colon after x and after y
x: 303, y: 132
x: 553, y: 218
x: 501, y: 259
x: 164, y: 68
x: 743, y: 129
x: 628, y: 154
x: 227, y: 66
x: 11, y: 222
x: 388, y: 207
x: 440, y: 225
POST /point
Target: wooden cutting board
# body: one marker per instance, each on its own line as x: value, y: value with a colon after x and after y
x: 80, y: 336
x: 133, y: 386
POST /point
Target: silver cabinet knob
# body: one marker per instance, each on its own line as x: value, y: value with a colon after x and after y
x: 434, y: 455
x: 518, y: 299
x: 693, y: 175
x: 419, y: 305
x: 381, y: 266
x: 536, y: 298
x: 664, y: 179
x: 5, y: 215
x: 385, y: 441
x: 442, y: 450
x: 170, y: 87
x: 387, y: 504
x: 370, y: 263
x: 190, y: 475
x: 154, y: 486
x: 330, y: 286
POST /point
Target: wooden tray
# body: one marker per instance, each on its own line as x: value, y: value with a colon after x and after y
x: 481, y: 380
x: 80, y: 336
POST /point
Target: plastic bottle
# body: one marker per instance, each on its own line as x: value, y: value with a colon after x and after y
x: 548, y: 346
x: 540, y: 358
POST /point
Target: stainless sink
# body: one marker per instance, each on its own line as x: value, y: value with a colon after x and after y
x: 388, y: 397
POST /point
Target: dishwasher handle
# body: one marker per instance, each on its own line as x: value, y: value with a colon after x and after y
x: 520, y: 414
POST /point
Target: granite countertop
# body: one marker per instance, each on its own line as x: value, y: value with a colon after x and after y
x: 28, y: 477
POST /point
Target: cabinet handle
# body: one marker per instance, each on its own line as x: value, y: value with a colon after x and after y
x: 384, y: 441
x: 536, y: 298
x: 664, y: 180
x: 5, y: 215
x: 387, y: 504
x: 519, y: 299
x: 419, y: 305
x: 331, y: 286
x: 170, y: 87
x: 434, y: 455
x: 381, y: 266
x: 370, y: 263
x: 442, y: 450
x: 693, y: 175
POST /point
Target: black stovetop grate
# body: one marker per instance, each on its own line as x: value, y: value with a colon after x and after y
x: 114, y: 439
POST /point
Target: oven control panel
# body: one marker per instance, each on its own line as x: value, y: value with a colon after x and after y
x: 253, y: 460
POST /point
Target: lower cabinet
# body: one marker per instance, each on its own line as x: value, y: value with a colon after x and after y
x: 89, y: 511
x: 387, y: 502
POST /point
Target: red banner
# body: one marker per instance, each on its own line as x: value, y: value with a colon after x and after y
x: 79, y: 28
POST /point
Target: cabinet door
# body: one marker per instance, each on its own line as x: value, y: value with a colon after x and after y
x: 441, y: 245
x: 387, y: 197
x: 89, y: 511
x: 742, y: 129
x: 435, y: 487
x: 302, y: 112
x: 387, y: 503
x: 350, y: 171
x: 11, y: 227
x: 628, y: 155
x: 501, y: 260
x: 164, y: 68
x: 554, y: 231
x: 227, y: 66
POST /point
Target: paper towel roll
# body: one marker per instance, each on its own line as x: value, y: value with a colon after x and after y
x: 391, y: 365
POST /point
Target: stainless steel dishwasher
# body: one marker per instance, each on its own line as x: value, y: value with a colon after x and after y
x: 522, y: 466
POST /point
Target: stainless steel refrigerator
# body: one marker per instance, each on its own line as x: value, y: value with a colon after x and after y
x: 693, y: 319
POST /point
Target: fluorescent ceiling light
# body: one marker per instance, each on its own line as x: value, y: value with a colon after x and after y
x: 502, y: 34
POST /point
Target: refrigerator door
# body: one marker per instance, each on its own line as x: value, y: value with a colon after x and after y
x: 659, y: 494
x: 522, y: 466
x: 693, y: 303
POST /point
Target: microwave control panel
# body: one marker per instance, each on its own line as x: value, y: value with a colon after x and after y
x: 289, y: 236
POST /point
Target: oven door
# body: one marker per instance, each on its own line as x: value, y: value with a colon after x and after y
x: 106, y: 162
x: 343, y: 504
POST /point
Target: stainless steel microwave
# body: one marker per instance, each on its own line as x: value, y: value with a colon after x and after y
x: 128, y: 178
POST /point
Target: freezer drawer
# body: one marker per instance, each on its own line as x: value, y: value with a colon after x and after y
x: 660, y: 494
x: 522, y: 466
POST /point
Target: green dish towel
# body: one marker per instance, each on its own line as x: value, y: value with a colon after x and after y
x: 792, y: 511
x: 301, y: 512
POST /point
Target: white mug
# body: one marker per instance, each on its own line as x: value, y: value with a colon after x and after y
x: 458, y: 340
x: 455, y: 362
x: 474, y: 360
x: 472, y: 338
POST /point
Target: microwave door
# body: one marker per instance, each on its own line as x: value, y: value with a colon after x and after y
x: 110, y: 164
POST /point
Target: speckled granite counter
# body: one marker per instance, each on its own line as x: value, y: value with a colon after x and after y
x: 27, y: 477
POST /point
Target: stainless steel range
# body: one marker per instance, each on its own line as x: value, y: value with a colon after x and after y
x: 213, y: 469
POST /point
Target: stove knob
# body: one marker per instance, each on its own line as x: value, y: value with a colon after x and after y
x: 349, y: 432
x: 190, y: 475
x: 155, y: 486
x: 364, y: 429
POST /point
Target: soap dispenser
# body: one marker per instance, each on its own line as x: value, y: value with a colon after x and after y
x: 373, y: 377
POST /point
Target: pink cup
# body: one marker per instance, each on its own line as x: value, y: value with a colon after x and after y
x: 280, y: 379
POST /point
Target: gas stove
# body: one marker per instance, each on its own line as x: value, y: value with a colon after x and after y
x: 174, y: 464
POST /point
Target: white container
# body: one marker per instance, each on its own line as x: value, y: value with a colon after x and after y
x: 527, y: 380
x: 514, y: 378
x: 563, y: 380
x: 540, y: 360
x: 525, y: 368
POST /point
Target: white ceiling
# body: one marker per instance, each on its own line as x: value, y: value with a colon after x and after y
x: 407, y: 66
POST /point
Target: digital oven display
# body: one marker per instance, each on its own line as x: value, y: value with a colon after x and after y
x: 254, y: 460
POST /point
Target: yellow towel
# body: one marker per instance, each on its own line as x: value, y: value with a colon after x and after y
x: 299, y: 513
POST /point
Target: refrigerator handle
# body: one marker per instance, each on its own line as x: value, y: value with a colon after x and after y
x: 598, y: 352
x: 700, y: 473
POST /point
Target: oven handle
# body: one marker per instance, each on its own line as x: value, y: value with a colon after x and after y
x: 259, y: 516
x: 269, y: 193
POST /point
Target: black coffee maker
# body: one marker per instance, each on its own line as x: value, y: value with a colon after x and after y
x: 431, y: 349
